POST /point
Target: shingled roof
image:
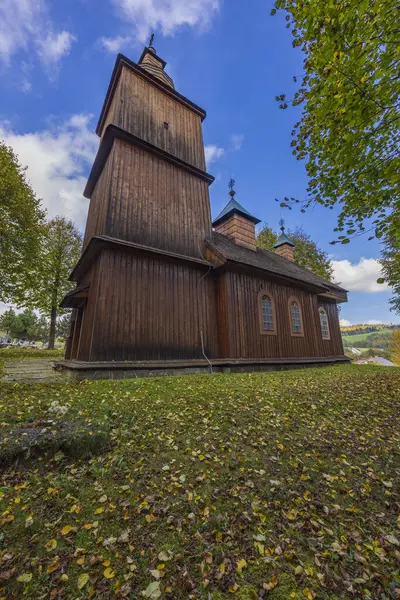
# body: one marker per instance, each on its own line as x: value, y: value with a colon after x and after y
x: 269, y: 261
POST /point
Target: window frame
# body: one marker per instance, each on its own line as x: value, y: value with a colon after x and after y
x: 263, y: 331
x: 321, y: 309
x: 301, y: 332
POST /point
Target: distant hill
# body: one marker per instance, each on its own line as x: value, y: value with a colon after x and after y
x: 357, y: 329
x: 368, y: 338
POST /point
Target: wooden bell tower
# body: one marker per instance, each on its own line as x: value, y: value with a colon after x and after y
x: 138, y: 295
x: 148, y: 184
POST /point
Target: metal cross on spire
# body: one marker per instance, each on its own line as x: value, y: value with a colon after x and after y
x: 231, y: 186
x: 151, y: 40
x: 282, y: 224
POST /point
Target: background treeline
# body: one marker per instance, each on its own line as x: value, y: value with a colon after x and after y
x: 356, y: 329
x: 29, y: 326
x: 36, y: 256
x: 374, y: 340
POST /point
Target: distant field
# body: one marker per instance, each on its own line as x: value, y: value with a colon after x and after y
x: 358, y: 337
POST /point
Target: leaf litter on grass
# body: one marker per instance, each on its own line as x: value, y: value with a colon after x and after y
x: 279, y: 485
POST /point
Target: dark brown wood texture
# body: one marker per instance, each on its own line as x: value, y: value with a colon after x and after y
x: 143, y: 306
x: 143, y: 199
x: 96, y: 223
x: 142, y: 109
x: 238, y: 305
x: 149, y: 309
x: 335, y: 343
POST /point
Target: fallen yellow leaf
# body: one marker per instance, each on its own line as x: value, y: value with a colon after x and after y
x: 51, y: 544
x: 25, y: 578
x: 53, y: 567
x: 82, y: 580
x: 66, y: 529
x: 241, y: 564
x: 109, y: 573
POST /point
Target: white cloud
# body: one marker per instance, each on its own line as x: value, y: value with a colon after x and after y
x: 359, y: 277
x: 116, y: 44
x: 213, y: 153
x: 54, y: 46
x: 375, y: 322
x: 344, y: 323
x: 58, y: 159
x: 26, y: 26
x: 166, y: 15
x: 237, y: 140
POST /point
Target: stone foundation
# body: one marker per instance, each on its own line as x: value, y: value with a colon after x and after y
x: 80, y: 370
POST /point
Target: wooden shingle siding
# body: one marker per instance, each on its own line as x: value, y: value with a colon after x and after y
x: 141, y: 109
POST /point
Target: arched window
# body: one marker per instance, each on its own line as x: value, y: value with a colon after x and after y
x: 267, y: 313
x: 323, y: 317
x: 296, y: 320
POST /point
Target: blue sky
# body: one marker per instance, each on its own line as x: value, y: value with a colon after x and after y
x: 232, y: 58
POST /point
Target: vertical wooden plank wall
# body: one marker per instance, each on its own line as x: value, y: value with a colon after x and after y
x: 244, y: 339
x: 91, y: 278
x: 334, y: 347
x: 141, y: 198
x: 152, y: 309
x: 96, y: 223
x: 142, y: 109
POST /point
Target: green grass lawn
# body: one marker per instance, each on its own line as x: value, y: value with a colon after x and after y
x: 272, y: 485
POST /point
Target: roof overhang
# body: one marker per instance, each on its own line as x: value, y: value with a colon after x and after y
x: 104, y: 242
x: 76, y: 298
x: 335, y: 295
x: 222, y: 263
x: 112, y: 132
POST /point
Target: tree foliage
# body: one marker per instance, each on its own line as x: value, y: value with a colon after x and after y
x: 306, y: 252
x: 31, y: 327
x: 21, y: 223
x: 61, y: 248
x: 395, y: 347
x: 25, y: 326
x: 390, y: 262
x: 7, y: 320
x: 365, y: 328
x: 349, y: 94
x: 63, y: 324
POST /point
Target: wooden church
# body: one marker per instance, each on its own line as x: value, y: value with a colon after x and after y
x: 160, y: 287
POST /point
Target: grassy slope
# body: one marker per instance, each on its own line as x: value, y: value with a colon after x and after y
x: 353, y: 339
x: 295, y: 473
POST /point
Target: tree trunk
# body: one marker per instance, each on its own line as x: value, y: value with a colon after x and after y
x: 53, y: 321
